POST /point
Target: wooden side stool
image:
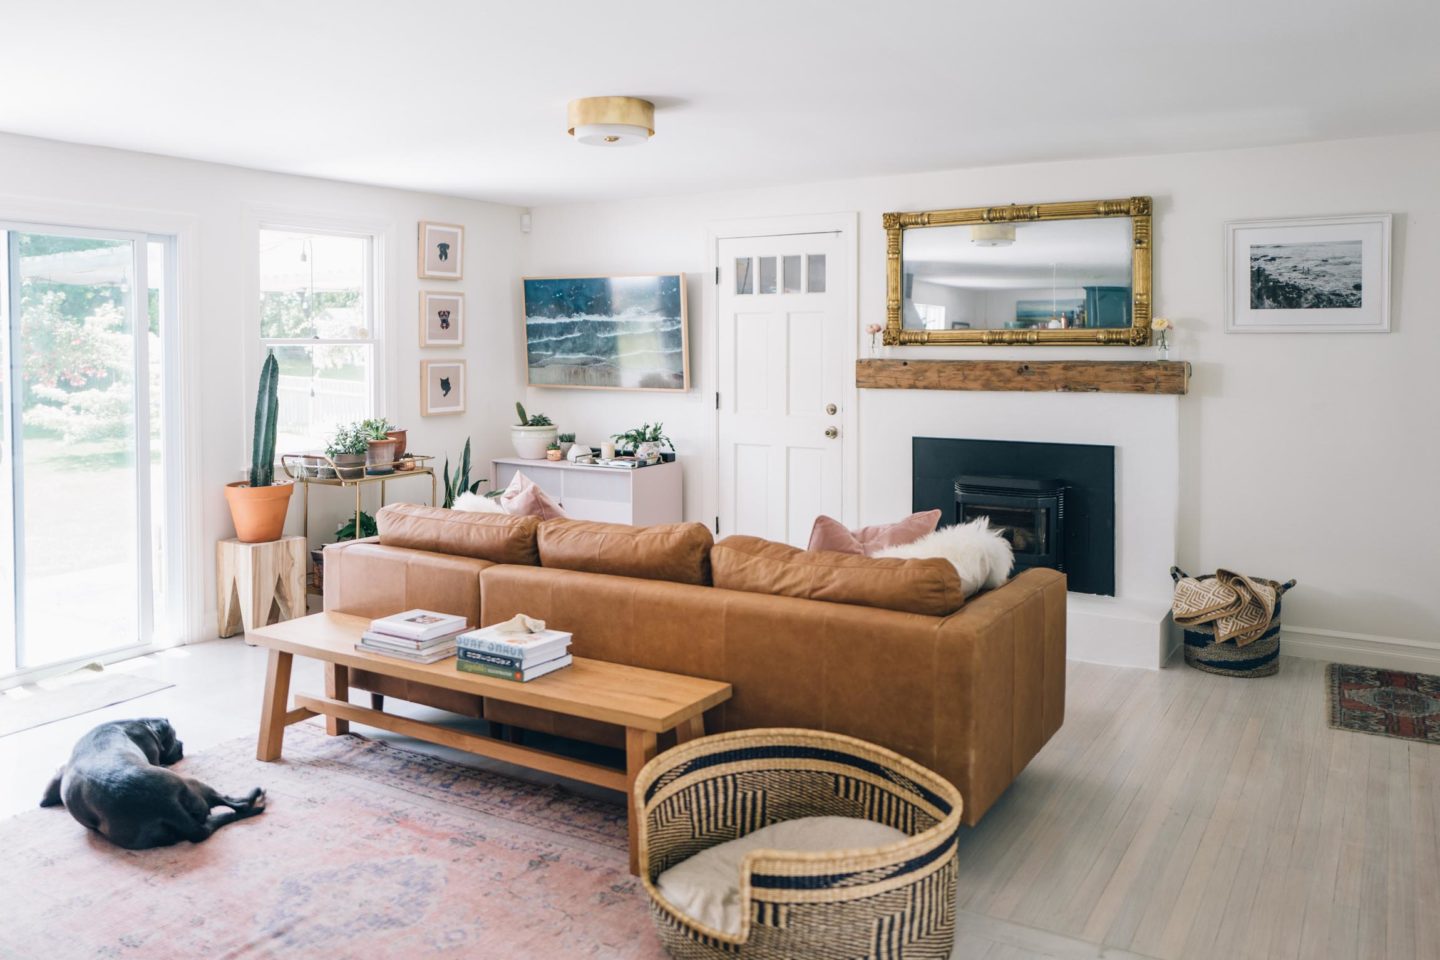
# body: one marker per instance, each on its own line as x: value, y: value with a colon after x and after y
x: 257, y: 584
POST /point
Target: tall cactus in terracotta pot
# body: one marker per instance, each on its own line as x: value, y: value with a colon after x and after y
x: 258, y: 506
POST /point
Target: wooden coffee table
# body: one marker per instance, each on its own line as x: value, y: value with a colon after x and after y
x: 644, y: 702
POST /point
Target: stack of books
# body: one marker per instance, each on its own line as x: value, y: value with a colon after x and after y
x: 512, y: 656
x: 420, y: 636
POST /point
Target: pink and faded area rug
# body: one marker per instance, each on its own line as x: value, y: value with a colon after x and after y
x: 365, y: 851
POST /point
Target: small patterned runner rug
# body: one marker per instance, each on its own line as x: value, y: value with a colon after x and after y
x: 1389, y: 703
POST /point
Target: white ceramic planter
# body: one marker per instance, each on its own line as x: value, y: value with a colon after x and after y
x: 531, y: 442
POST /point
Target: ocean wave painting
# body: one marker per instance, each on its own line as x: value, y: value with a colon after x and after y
x: 625, y: 333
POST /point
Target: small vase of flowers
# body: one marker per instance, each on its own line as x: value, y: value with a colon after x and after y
x: 1160, y: 328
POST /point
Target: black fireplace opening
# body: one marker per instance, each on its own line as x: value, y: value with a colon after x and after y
x: 1054, y: 502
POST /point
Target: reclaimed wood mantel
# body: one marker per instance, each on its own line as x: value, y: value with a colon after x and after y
x: 1062, y: 376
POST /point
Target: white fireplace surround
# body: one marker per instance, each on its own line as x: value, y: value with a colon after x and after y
x: 1129, y: 629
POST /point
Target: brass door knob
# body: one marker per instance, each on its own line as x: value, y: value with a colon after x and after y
x: 832, y: 432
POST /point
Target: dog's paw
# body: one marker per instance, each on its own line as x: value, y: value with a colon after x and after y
x: 257, y: 800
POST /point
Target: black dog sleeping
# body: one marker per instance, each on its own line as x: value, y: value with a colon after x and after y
x: 117, y: 785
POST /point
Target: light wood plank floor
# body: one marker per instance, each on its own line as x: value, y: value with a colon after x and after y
x: 1175, y: 816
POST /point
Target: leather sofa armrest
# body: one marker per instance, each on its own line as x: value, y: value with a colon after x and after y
x: 1001, y: 664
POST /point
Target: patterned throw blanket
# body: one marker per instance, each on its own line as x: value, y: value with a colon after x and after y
x: 1240, y: 607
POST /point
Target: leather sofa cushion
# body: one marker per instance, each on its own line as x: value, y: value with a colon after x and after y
x: 929, y: 586
x: 679, y: 552
x: 482, y: 536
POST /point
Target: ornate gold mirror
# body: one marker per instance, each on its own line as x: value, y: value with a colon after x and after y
x: 1056, y: 273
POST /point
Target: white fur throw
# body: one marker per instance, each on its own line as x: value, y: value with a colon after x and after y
x: 476, y: 503
x: 981, y: 556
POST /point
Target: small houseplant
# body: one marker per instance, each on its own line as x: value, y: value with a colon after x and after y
x: 258, y: 505
x: 567, y: 440
x: 552, y: 452
x: 347, y: 451
x: 631, y: 441
x: 379, y: 447
x: 346, y: 530
x: 532, y: 435
x: 459, y: 482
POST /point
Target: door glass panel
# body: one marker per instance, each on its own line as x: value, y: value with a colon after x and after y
x: 78, y: 552
x: 744, y: 279
x: 767, y: 274
x: 817, y: 272
x: 791, y: 273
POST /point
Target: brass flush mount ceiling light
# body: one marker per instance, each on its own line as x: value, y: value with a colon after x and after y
x: 611, y: 121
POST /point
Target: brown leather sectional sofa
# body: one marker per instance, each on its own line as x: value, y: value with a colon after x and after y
x: 886, y: 650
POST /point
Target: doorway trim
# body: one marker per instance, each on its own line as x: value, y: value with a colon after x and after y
x: 846, y: 224
x: 182, y: 379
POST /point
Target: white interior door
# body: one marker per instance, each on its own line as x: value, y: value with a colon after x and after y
x: 782, y: 329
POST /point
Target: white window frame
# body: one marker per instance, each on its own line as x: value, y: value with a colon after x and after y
x: 381, y: 236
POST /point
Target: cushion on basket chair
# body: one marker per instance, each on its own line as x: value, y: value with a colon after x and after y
x: 706, y: 887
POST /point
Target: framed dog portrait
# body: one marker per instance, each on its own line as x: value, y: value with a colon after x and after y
x: 442, y: 251
x: 442, y: 387
x: 442, y: 319
x: 1311, y: 275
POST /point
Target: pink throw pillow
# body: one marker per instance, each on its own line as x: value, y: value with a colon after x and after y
x: 523, y: 498
x: 830, y: 534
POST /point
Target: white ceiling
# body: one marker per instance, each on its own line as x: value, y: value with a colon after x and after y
x: 469, y: 98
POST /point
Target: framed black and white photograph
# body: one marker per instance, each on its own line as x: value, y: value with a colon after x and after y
x: 1309, y: 275
x: 442, y: 387
x: 442, y: 251
x: 442, y: 319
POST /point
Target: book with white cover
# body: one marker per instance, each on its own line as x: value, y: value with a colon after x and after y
x: 531, y: 647
x: 418, y: 624
x: 416, y: 656
x: 402, y: 643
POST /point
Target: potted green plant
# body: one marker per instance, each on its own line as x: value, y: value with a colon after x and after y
x: 459, y: 482
x: 258, y: 505
x: 532, y: 435
x: 347, y: 531
x: 379, y: 447
x: 398, y: 435
x: 631, y: 442
x: 552, y: 452
x: 567, y: 440
x: 347, y: 451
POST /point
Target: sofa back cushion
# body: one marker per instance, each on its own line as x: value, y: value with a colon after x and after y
x: 484, y: 536
x: 929, y: 586
x: 679, y: 552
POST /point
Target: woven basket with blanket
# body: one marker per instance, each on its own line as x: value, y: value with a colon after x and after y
x: 1231, y: 622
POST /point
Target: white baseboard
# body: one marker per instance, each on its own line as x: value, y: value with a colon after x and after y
x: 1364, y: 650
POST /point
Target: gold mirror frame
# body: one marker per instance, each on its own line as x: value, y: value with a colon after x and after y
x: 1136, y: 335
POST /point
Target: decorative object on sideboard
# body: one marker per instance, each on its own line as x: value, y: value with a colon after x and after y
x: 379, y: 447
x: 610, y: 121
x: 442, y: 251
x: 347, y: 450
x: 646, y: 442
x: 1308, y: 275
x: 258, y: 505
x: 552, y: 452
x: 1057, y: 376
x: 1231, y: 622
x: 442, y: 387
x: 458, y: 483
x: 580, y: 453
x: 1160, y: 329
x: 399, y: 436
x: 1066, y: 273
x: 533, y: 435
x: 442, y: 319
x: 567, y: 440
x: 618, y: 333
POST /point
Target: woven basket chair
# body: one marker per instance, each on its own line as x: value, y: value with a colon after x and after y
x: 884, y: 902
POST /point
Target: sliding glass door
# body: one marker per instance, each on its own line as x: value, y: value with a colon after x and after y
x: 82, y: 501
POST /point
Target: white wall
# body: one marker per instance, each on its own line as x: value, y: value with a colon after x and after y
x: 217, y: 204
x: 1297, y: 452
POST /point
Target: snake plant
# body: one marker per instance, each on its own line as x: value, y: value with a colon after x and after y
x: 267, y: 410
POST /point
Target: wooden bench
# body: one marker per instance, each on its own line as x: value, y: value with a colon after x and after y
x: 645, y: 702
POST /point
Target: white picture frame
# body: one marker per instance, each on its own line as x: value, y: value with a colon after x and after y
x: 442, y: 318
x: 441, y: 251
x: 442, y: 387
x: 1308, y: 275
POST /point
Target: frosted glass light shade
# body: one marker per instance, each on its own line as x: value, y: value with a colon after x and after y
x: 611, y: 121
x: 611, y: 134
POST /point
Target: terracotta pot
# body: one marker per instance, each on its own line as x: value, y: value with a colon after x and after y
x: 399, y: 437
x: 258, y: 512
x: 380, y: 457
